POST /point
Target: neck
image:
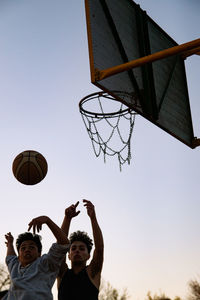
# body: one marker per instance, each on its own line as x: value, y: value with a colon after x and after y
x: 78, y: 266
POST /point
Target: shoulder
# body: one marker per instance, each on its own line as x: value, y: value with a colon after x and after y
x: 11, y: 259
x: 55, y: 256
x: 57, y: 251
x: 59, y: 248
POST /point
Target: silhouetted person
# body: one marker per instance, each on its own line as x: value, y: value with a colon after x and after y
x: 82, y: 281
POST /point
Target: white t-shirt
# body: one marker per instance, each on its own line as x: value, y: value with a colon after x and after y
x: 35, y: 281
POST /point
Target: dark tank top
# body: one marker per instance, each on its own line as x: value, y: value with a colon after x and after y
x: 77, y: 287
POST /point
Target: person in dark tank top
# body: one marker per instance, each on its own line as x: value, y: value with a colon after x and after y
x: 82, y: 281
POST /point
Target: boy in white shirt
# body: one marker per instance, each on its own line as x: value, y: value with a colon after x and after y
x: 32, y: 275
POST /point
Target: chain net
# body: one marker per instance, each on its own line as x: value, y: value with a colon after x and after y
x: 110, y: 130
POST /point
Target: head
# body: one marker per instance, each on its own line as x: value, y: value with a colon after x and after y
x: 29, y: 247
x: 80, y: 247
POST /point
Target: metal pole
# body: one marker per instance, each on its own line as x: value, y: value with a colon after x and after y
x: 99, y: 75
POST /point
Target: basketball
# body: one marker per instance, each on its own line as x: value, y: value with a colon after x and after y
x: 29, y: 167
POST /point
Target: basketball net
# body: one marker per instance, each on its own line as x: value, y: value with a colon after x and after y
x: 109, y: 129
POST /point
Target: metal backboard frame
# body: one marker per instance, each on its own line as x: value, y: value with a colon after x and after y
x: 130, y: 53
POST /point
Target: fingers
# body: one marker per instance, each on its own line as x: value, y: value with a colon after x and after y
x: 74, y: 206
x: 71, y: 210
x: 36, y: 225
x: 90, y: 208
x: 77, y: 213
x: 88, y: 203
x: 8, y: 236
x: 77, y: 203
x: 30, y: 225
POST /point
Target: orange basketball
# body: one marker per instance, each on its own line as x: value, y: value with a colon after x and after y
x: 29, y: 167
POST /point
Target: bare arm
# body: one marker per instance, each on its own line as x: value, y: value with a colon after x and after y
x: 9, y: 244
x: 70, y: 213
x: 96, y: 264
x: 36, y: 225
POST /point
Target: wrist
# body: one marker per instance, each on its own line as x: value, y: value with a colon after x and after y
x: 68, y: 218
x: 93, y: 218
x: 10, y: 244
x: 48, y: 220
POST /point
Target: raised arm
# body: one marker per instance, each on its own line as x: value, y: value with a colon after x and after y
x: 36, y: 225
x: 96, y: 264
x: 9, y: 244
x: 70, y: 213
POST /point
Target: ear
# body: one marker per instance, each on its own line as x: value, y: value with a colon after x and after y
x: 69, y: 256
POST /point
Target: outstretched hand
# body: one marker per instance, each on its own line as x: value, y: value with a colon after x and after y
x: 9, y: 238
x: 71, y: 212
x: 90, y: 208
x: 36, y: 223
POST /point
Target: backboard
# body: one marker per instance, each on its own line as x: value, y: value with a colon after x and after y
x: 120, y: 32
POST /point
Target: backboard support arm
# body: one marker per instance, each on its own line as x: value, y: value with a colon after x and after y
x: 193, y: 46
x: 191, y: 52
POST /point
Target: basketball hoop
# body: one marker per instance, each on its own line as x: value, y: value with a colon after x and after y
x: 101, y: 106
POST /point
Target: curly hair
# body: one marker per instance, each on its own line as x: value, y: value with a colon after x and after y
x: 28, y: 236
x: 82, y: 237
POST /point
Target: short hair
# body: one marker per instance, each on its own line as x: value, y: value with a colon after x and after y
x: 82, y: 237
x: 28, y: 236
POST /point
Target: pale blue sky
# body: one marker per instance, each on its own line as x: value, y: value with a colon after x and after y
x: 149, y: 212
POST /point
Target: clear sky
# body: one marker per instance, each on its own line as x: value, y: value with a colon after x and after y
x: 149, y: 212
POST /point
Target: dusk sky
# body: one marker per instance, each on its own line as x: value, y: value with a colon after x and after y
x: 148, y: 212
